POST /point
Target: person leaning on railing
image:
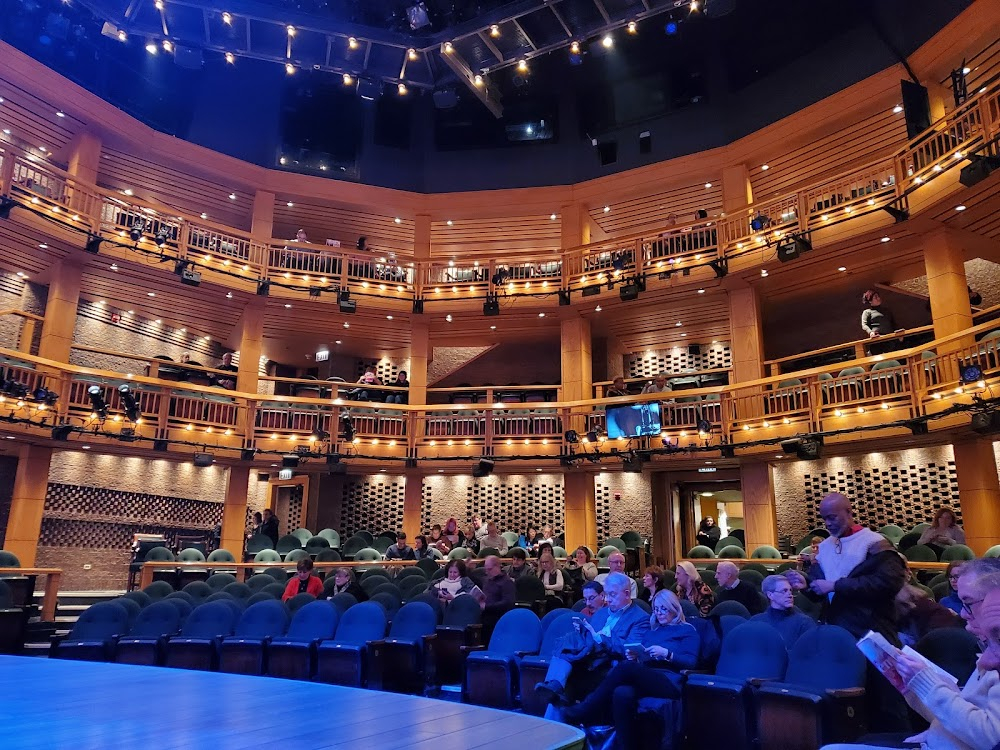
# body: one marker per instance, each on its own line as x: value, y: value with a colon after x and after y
x: 877, y: 321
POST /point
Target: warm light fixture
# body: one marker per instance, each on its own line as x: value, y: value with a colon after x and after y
x: 352, y: 43
x: 291, y: 30
x: 230, y: 58
x: 401, y: 88
x: 633, y: 27
x: 411, y: 54
x: 347, y: 82
x: 575, y: 48
x: 289, y: 68
x: 478, y: 80
x: 494, y: 31
x: 522, y: 65
x: 448, y: 48
x: 168, y: 46
x: 227, y: 18
x: 608, y: 41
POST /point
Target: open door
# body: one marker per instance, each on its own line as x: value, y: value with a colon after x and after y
x: 288, y: 499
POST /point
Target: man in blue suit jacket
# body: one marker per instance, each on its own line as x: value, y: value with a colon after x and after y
x: 600, y: 641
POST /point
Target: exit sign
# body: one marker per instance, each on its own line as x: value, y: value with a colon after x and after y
x: 322, y: 355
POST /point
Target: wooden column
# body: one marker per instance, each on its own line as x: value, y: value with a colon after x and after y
x: 580, y: 510
x: 421, y: 250
x: 574, y: 226
x: 262, y: 220
x: 736, y: 190
x: 60, y: 312
x: 979, y: 489
x: 251, y: 331
x: 413, y: 502
x: 759, y: 517
x: 84, y: 160
x: 28, y: 503
x: 947, y: 286
x: 234, y: 511
x: 747, y: 336
x: 420, y: 355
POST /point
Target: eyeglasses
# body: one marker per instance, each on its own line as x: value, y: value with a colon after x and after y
x: 967, y: 606
x: 661, y: 611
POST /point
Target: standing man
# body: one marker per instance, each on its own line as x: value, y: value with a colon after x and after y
x: 269, y: 527
x: 498, y: 595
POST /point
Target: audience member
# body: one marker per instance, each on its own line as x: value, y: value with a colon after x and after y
x: 617, y: 388
x: 256, y: 524
x: 552, y: 577
x: 660, y: 384
x: 479, y: 528
x: 796, y: 580
x: 366, y: 391
x: 593, y: 598
x: 858, y: 573
x: 227, y: 365
x: 303, y: 582
x: 652, y: 669
x: 876, y: 320
x: 438, y: 540
x: 917, y: 614
x: 616, y: 564
x: 547, y: 536
x: 708, y: 533
x: 943, y: 531
x: 400, y: 550
x: 527, y: 540
x: 966, y: 719
x: 951, y: 601
x: 300, y: 236
x: 732, y: 589
x: 581, y: 566
x: 601, y: 640
x: 652, y: 583
x: 269, y: 527
x: 782, y: 615
x: 690, y: 587
x: 469, y: 539
x: 498, y: 595
x: 456, y: 582
x: 518, y: 565
x: 451, y: 533
x: 344, y: 582
x: 493, y: 539
x: 399, y: 397
x: 421, y: 550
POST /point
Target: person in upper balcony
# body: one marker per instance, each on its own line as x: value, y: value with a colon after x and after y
x: 876, y: 320
x: 617, y: 388
x: 660, y: 384
x: 365, y: 391
x: 301, y: 236
x: 227, y: 364
x: 399, y: 397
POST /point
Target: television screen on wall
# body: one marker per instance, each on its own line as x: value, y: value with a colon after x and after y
x: 634, y: 420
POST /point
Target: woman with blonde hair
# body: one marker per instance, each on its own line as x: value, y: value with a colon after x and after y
x: 690, y: 587
x: 944, y: 531
x: 652, y: 670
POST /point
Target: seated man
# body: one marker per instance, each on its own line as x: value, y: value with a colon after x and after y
x: 782, y: 615
x: 660, y: 384
x: 400, y: 550
x: 593, y: 595
x: 599, y: 643
x: 493, y: 539
x: 518, y: 565
x: 498, y: 595
x: 732, y: 589
x: 616, y: 564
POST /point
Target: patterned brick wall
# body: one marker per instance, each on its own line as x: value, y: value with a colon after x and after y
x: 677, y: 360
x: 373, y: 503
x: 632, y: 511
x: 900, y: 487
x: 385, y: 369
x: 512, y: 500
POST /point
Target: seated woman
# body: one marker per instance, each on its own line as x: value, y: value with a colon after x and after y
x: 420, y: 547
x: 345, y: 583
x: 652, y: 583
x: 303, y: 582
x: 438, y: 540
x: 552, y: 577
x: 527, y: 539
x: 455, y: 537
x: 951, y: 601
x: 399, y: 397
x: 943, y: 531
x: 690, y: 587
x: 652, y: 670
x: 456, y: 582
x: 365, y: 390
x: 580, y: 566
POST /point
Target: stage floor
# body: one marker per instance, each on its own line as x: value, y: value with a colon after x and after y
x: 54, y: 704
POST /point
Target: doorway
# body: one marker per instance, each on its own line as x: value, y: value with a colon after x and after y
x: 722, y: 500
x: 288, y: 499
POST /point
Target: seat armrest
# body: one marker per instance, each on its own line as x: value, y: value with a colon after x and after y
x: 470, y: 649
x: 429, y: 638
x: 760, y: 681
x: 686, y: 672
x: 372, y: 644
x: 522, y: 654
x: 856, y: 692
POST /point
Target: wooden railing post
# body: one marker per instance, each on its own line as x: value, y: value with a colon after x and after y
x: 7, y: 172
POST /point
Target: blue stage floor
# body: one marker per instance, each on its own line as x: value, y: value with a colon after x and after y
x: 55, y: 705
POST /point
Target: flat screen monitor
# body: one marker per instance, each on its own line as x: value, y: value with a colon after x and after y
x: 634, y: 420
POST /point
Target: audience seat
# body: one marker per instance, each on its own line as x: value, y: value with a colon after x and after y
x: 765, y: 552
x: 258, y: 581
x: 293, y: 655
x: 821, y: 699
x: 295, y: 555
x: 145, y: 641
x: 368, y: 554
x: 221, y: 556
x: 94, y: 633
x: 132, y: 608
x: 892, y: 532
x: 243, y: 652
x: 491, y: 674
x: 725, y: 542
x: 287, y: 543
x: 343, y: 602
x: 199, y: 591
x: 701, y: 552
x: 732, y: 552
x: 957, y: 552
x: 332, y: 536
x: 404, y: 661
x: 461, y: 629
x: 920, y: 553
x: 534, y: 667
x: 158, y: 590
x: 197, y: 645
x: 303, y: 535
x: 955, y: 650
x: 342, y: 660
x: 529, y: 591
x: 13, y: 623
x: 267, y: 556
x: 993, y: 551
x: 298, y: 601
x: 218, y: 581
x: 389, y: 602
x: 718, y: 709
x: 139, y: 597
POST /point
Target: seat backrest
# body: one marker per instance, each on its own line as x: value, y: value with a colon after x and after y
x: 993, y: 551
x: 558, y: 628
x: 826, y: 658
x: 388, y: 588
x: 295, y: 555
x: 198, y: 590
x: 298, y: 601
x: 754, y: 649
x: 701, y: 552
x: 353, y: 545
x: 100, y: 621
x: 259, y: 581
x: 361, y: 623
x: 158, y: 590
x: 331, y: 535
x: 287, y: 543
x: 765, y: 552
x: 510, y: 537
x: 221, y: 555
x: 262, y: 620
x: 752, y: 577
x: 158, y: 554
x: 211, y: 620
x: 317, y: 620
x: 632, y: 539
x: 304, y: 535
x: 343, y: 602
x: 267, y: 556
x: 892, y: 532
x: 606, y: 551
x: 725, y: 542
x: 258, y: 543
x: 239, y: 591
x: 529, y: 589
x: 885, y: 364
x: 388, y: 602
x: 9, y: 559
x: 218, y: 581
x: 920, y: 528
x: 139, y: 597
x: 551, y: 615
x: 615, y: 542
x: 190, y: 555
x: 955, y: 650
x: 183, y: 606
x: 158, y: 619
x: 459, y: 553
x: 410, y: 572
x: 920, y: 553
x: 428, y: 566
x: 517, y: 630
x: 382, y: 544
x: 848, y: 371
x: 261, y: 596
x: 909, y: 539
x: 368, y: 554
x: 413, y: 621
x: 957, y: 552
x: 462, y: 612
x: 316, y: 544
x: 729, y: 608
x: 732, y: 552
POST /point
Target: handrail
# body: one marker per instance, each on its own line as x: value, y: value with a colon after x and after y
x: 50, y: 597
x: 23, y: 314
x: 858, y: 345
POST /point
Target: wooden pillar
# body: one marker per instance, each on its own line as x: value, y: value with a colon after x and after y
x: 580, y: 510
x: 262, y: 220
x: 947, y: 286
x: 979, y: 489
x: 759, y: 518
x: 574, y: 226
x: 60, y: 312
x: 413, y: 505
x: 420, y: 354
x: 747, y: 337
x: 28, y: 503
x: 664, y: 548
x: 736, y: 190
x: 84, y: 160
x: 251, y: 330
x: 234, y: 511
x: 577, y: 366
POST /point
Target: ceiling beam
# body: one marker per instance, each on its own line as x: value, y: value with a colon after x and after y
x: 461, y: 69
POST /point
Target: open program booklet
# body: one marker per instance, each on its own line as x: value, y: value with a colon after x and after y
x: 883, y: 655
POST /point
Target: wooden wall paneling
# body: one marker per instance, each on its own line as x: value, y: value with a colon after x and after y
x: 342, y: 223
x: 639, y: 213
x: 640, y: 325
x: 488, y: 235
x: 33, y: 120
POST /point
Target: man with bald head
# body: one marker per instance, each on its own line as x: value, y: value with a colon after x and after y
x: 732, y: 589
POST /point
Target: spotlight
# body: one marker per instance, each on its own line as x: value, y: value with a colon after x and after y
x: 161, y: 237
x: 979, y: 168
x: 760, y: 222
x: 483, y: 467
x: 670, y: 28
x: 138, y: 227
x: 491, y: 306
x: 127, y: 435
x: 96, y: 395
x: 728, y: 451
x: 791, y: 446
x: 970, y: 374
x: 315, y: 291
x: 791, y: 248
x: 618, y: 262
x: 564, y: 297
x: 248, y: 454
x: 899, y: 214
x: 500, y: 277
x: 704, y: 427
x: 986, y: 422
x: 62, y: 432
x: 591, y: 291
x: 720, y: 266
x: 362, y: 244
x: 129, y: 402
x: 6, y: 204
x: 592, y: 436
x: 93, y: 245
x: 290, y: 460
x: 204, y: 459
x: 418, y: 307
x: 263, y: 288
x: 568, y: 461
x: 43, y: 395
x: 572, y: 437
x: 417, y: 16
x: 348, y: 428
x: 808, y: 449
x: 318, y: 435
x: 632, y: 463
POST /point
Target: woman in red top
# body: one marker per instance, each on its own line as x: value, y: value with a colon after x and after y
x: 303, y: 582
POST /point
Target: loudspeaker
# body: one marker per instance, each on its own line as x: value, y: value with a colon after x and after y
x: 161, y: 445
x: 978, y: 170
x: 632, y: 466
x: 916, y: 108
x: 491, y: 307
x: 608, y: 152
x: 289, y: 461
x: 482, y: 468
x: 247, y: 454
x: 445, y: 99
x: 369, y: 90
x: 188, y: 57
x: 986, y: 422
x: 189, y: 277
x: 629, y: 292
x: 645, y: 143
x: 204, y: 459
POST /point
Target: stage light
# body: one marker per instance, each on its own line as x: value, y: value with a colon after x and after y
x: 479, y: 82
x: 720, y: 266
x: 230, y: 58
x: 62, y: 432
x: 633, y: 27
x: 348, y: 428
x: 96, y: 395
x: 482, y: 468
x: 129, y: 403
x: 500, y: 276
x: 670, y: 28
x: 227, y: 18
x: 572, y: 437
x: 263, y: 288
x: 564, y: 297
x: 290, y: 460
x: 161, y: 237
x: 418, y: 307
x: 352, y: 43
x: 411, y: 54
x: 6, y: 204
x: 318, y: 435
x: 522, y: 66
x: 347, y: 82
x: 151, y: 47
x: 760, y: 222
x: 401, y: 88
x: 138, y: 227
x: 290, y: 30
x: 347, y: 305
x: 592, y: 436
x: 289, y: 69
x: 204, y: 459
x: 608, y: 41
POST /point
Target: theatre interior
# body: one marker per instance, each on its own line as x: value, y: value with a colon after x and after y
x: 573, y: 272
